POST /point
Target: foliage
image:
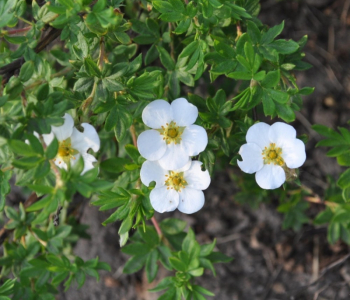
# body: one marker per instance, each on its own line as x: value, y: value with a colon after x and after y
x: 110, y: 59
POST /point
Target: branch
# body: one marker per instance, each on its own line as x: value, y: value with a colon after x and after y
x: 10, y: 69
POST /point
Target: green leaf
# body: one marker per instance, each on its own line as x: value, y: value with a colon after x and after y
x: 177, y: 264
x: 12, y: 214
x: 344, y: 179
x: 271, y: 80
x: 136, y: 249
x: 172, y: 226
x: 112, y: 84
x: 285, y: 112
x: 91, y: 67
x: 27, y: 71
x: 21, y: 148
x: 151, y: 265
x: 284, y: 47
x: 270, y: 35
x: 43, y: 92
x: 218, y: 257
x: 40, y: 204
x: 134, y: 264
x: 52, y: 149
x: 133, y: 152
x: 16, y: 39
x: 42, y: 189
x: 166, y: 59
x: 114, y: 165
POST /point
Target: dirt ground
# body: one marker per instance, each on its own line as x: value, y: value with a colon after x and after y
x: 269, y: 263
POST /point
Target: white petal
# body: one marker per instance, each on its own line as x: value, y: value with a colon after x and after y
x: 184, y: 113
x: 191, y: 200
x: 151, y: 145
x: 88, y: 162
x: 259, y: 134
x: 252, y: 158
x: 48, y: 138
x: 293, y: 153
x: 65, y: 131
x: 157, y: 114
x: 60, y: 163
x: 83, y: 141
x: 194, y: 139
x: 185, y: 167
x: 196, y: 178
x: 270, y: 177
x: 152, y: 171
x: 281, y: 133
x: 164, y: 200
x: 174, y: 158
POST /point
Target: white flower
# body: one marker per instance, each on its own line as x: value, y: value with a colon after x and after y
x: 181, y: 189
x: 73, y: 143
x: 269, y: 151
x: 173, y: 138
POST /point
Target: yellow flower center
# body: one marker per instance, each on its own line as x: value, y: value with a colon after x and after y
x: 273, y: 154
x: 65, y: 151
x: 171, y: 133
x: 175, y: 181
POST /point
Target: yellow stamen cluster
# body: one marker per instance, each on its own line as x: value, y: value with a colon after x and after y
x: 65, y: 151
x: 273, y: 154
x: 175, y: 181
x: 171, y: 133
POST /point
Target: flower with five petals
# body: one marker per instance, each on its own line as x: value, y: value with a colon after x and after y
x: 173, y: 138
x: 72, y: 143
x: 181, y: 189
x: 271, y: 151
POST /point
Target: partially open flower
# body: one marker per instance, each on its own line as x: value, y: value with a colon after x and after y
x: 173, y: 137
x: 181, y: 189
x: 270, y: 152
x: 73, y: 143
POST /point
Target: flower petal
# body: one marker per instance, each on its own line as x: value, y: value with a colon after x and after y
x: 252, y: 158
x: 88, y: 162
x: 152, y: 171
x: 185, y: 167
x: 174, y: 158
x: 293, y: 153
x: 259, y: 134
x: 65, y: 131
x: 270, y: 177
x: 281, y: 133
x: 196, y: 178
x: 157, y: 114
x: 60, y: 163
x: 83, y: 141
x: 164, y: 200
x: 151, y: 145
x: 184, y: 113
x: 48, y: 138
x: 194, y: 139
x: 191, y: 200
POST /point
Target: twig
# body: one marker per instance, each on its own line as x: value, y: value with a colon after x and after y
x: 156, y: 226
x: 56, y: 218
x: 133, y: 135
x: 16, y: 31
x: 10, y: 69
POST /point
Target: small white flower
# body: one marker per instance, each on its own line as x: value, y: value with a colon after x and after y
x: 181, y: 189
x: 73, y: 143
x: 270, y: 150
x: 173, y: 137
